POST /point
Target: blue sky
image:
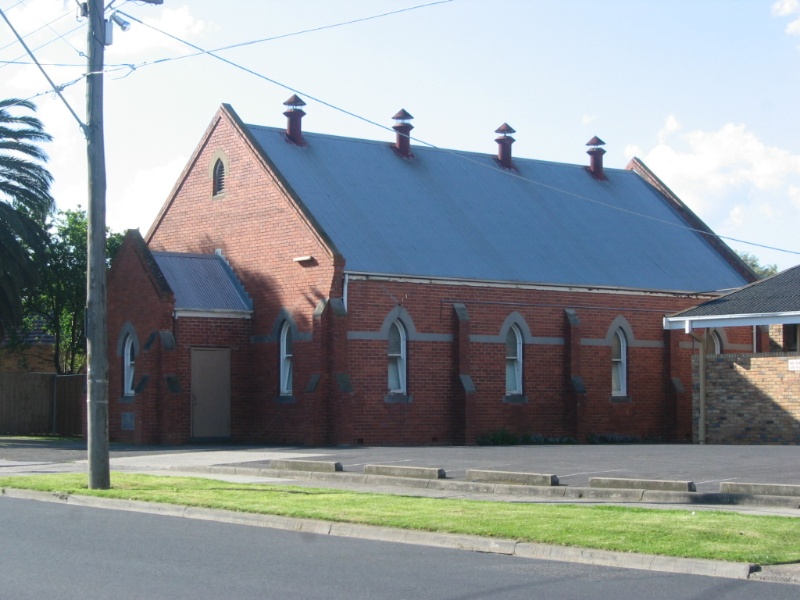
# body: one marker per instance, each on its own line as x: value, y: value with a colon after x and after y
x: 706, y: 92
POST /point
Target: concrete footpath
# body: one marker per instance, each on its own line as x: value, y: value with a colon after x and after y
x: 447, y: 472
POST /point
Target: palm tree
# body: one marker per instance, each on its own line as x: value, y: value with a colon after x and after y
x: 25, y: 202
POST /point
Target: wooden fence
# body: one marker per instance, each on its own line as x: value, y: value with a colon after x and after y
x: 41, y: 403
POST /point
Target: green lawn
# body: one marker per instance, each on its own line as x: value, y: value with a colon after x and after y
x: 702, y: 534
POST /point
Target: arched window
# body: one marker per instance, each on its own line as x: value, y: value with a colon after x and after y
x: 716, y: 343
x: 619, y: 364
x: 286, y: 359
x: 513, y: 361
x: 128, y: 365
x: 219, y: 177
x: 397, y: 358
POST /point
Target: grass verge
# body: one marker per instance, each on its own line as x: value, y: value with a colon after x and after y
x: 703, y: 534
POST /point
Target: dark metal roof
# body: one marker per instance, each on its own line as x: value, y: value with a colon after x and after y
x: 203, y: 282
x: 460, y: 215
x: 778, y: 294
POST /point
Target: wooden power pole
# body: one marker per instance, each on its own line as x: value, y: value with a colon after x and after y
x: 96, y: 330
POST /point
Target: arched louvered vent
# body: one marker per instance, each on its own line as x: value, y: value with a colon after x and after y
x: 219, y: 177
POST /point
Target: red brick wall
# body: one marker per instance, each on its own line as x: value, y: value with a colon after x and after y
x: 653, y: 408
x: 36, y: 358
x: 260, y: 231
x: 204, y: 332
x: 135, y: 298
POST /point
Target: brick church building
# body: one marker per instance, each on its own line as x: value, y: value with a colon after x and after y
x: 304, y: 288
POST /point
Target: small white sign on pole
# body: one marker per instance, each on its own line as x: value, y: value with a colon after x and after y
x: 794, y: 364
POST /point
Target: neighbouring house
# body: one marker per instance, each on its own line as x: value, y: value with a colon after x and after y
x: 31, y: 352
x: 750, y: 397
x: 313, y: 289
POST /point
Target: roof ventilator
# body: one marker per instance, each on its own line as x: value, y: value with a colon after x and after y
x: 403, y: 129
x: 504, y: 144
x: 595, y: 153
x: 294, y: 114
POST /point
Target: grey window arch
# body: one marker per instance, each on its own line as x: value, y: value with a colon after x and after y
x: 619, y: 363
x: 397, y: 358
x: 514, y: 362
x: 128, y: 365
x: 286, y: 342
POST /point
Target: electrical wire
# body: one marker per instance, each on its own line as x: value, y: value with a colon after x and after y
x: 56, y: 89
x: 213, y: 53
x: 201, y: 51
x: 47, y: 25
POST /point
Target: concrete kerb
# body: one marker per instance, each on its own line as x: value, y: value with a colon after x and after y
x: 625, y: 560
x: 511, y: 477
x: 306, y: 465
x: 402, y: 471
x: 759, y: 489
x: 508, y: 489
x: 642, y: 484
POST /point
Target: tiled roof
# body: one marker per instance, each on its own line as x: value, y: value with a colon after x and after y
x: 459, y: 215
x: 202, y: 282
x: 777, y: 294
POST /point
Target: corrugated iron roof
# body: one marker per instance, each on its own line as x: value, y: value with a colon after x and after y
x: 779, y: 293
x: 203, y: 282
x: 459, y: 215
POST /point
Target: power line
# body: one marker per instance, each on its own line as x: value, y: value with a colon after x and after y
x: 315, y: 29
x: 48, y: 26
x: 56, y: 89
x: 212, y: 53
x: 201, y: 51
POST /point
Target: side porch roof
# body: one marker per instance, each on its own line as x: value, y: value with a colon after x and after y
x: 771, y: 301
x: 204, y: 285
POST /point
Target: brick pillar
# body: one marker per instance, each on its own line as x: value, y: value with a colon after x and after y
x: 672, y: 387
x: 341, y: 402
x: 575, y: 390
x: 464, y: 389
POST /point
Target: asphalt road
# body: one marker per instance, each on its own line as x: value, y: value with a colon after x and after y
x: 707, y: 466
x: 68, y: 552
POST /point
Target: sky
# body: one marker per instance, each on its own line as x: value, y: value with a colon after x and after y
x: 706, y: 93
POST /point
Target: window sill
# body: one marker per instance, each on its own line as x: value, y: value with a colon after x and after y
x: 621, y: 399
x: 397, y: 398
x: 515, y: 399
x: 127, y: 398
x: 285, y: 399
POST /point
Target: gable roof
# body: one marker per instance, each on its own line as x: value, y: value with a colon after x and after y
x: 774, y: 300
x: 203, y: 283
x: 459, y: 215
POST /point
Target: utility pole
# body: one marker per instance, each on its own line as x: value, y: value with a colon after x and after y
x: 96, y: 321
x: 96, y: 334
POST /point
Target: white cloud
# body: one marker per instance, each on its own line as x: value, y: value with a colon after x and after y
x: 136, y: 206
x: 739, y: 185
x: 782, y: 8
x: 794, y: 195
x: 586, y: 119
x: 26, y: 17
x: 793, y: 28
x: 670, y: 126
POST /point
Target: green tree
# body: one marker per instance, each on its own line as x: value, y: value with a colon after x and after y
x: 58, y: 305
x: 25, y: 202
x: 754, y: 263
